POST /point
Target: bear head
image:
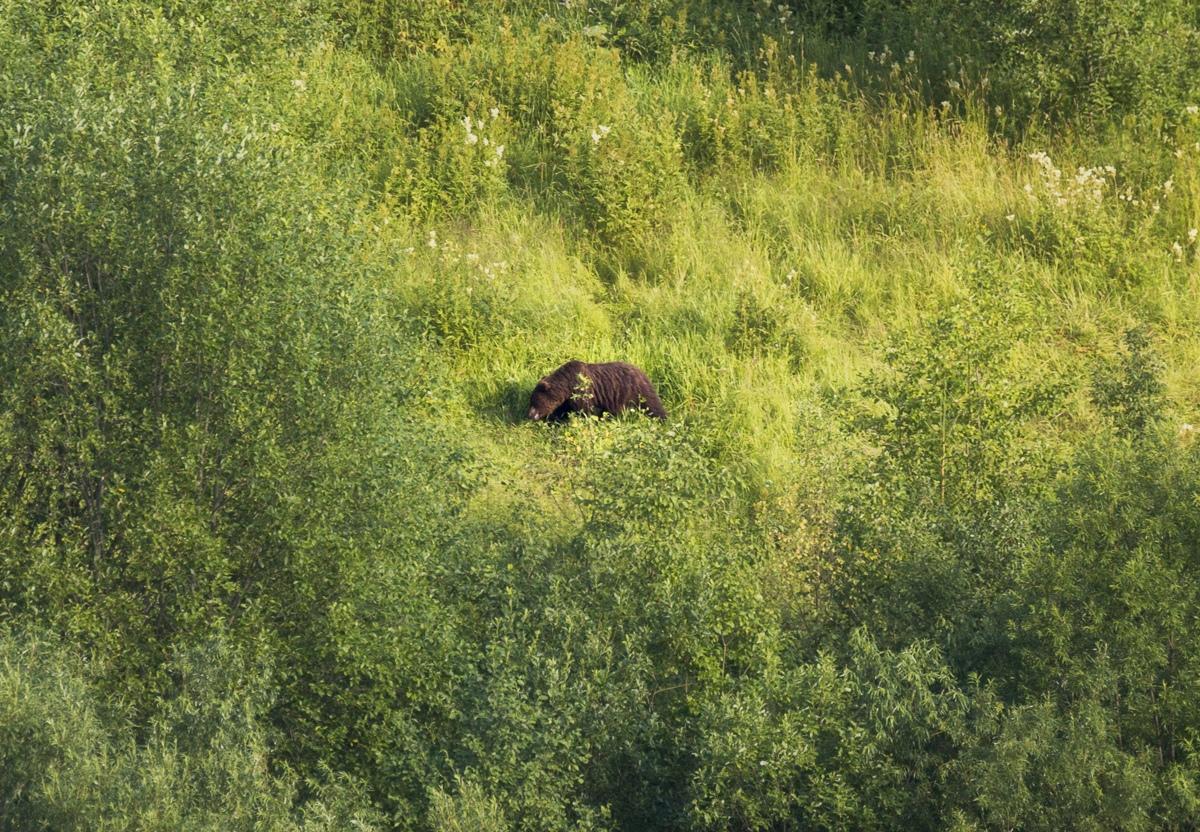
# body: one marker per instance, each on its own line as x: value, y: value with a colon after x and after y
x: 552, y: 390
x: 546, y: 398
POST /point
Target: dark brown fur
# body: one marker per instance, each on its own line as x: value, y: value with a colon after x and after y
x: 578, y: 387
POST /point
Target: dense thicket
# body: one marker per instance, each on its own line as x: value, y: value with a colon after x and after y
x: 917, y: 549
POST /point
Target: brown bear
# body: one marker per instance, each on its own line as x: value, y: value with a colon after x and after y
x: 578, y: 387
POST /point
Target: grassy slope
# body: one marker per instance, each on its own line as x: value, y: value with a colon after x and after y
x: 767, y: 294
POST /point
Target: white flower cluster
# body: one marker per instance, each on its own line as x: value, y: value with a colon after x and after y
x: 600, y: 132
x: 784, y: 12
x: 1087, y: 184
x: 883, y: 57
x: 491, y: 270
x: 1178, y: 250
x: 474, y: 138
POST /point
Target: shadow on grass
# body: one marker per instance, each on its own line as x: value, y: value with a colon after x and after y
x: 506, y: 404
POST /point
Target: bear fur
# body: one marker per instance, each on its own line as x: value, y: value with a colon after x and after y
x: 578, y: 387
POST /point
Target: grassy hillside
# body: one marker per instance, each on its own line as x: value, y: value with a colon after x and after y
x: 916, y: 549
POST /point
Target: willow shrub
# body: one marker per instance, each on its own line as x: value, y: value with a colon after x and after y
x: 201, y: 403
x: 69, y: 762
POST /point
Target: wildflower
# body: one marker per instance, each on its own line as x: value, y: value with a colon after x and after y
x: 495, y: 160
x: 945, y: 105
x: 494, y: 112
x: 298, y: 83
x: 1169, y: 185
x: 1010, y: 217
x: 471, y: 137
x: 1177, y: 250
x: 599, y: 133
x: 1029, y: 189
x: 1192, y: 236
x: 1186, y: 428
x: 910, y: 57
x: 432, y: 241
x: 1192, y: 109
x: 999, y: 111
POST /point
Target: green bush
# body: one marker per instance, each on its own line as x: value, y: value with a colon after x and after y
x: 825, y: 746
x: 201, y: 764
x: 1043, y: 60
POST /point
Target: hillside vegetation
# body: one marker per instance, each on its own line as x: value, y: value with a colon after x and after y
x: 918, y: 547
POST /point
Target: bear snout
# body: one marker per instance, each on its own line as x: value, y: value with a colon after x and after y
x: 533, y: 414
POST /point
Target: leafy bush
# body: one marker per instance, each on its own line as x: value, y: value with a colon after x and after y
x: 201, y: 765
x: 828, y: 746
x: 1057, y: 60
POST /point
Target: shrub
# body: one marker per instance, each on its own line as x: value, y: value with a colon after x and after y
x: 201, y: 765
x: 1057, y: 60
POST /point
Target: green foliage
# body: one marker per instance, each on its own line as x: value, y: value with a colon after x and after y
x: 943, y: 510
x: 468, y: 811
x: 825, y: 746
x: 1131, y: 391
x: 916, y: 548
x: 1056, y: 60
x: 202, y: 763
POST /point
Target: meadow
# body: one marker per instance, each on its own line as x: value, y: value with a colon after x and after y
x: 919, y: 285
